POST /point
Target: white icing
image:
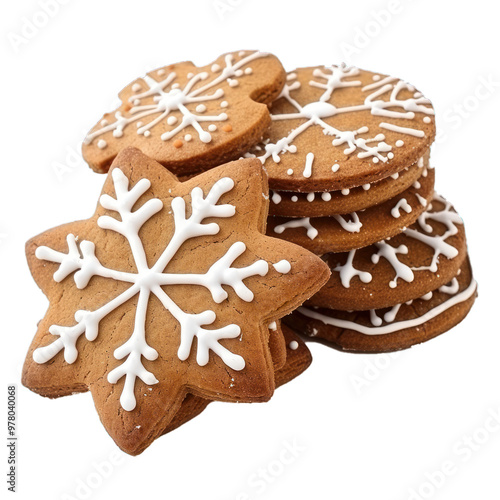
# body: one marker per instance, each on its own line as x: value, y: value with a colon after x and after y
x: 403, y: 130
x: 353, y: 226
x: 308, y: 167
x: 283, y: 266
x: 393, y: 326
x: 390, y: 253
x: 82, y: 261
x: 312, y: 232
x: 273, y: 326
x: 402, y: 204
x: 293, y: 345
x: 347, y: 271
x: 276, y: 197
x: 177, y: 100
x: 315, y: 113
x: 435, y: 241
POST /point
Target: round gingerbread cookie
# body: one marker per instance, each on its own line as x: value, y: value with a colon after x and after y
x: 396, y: 328
x: 420, y: 259
x: 191, y: 118
x: 295, y: 204
x: 340, y: 127
x: 341, y: 233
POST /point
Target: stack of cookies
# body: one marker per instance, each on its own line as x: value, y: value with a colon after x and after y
x: 347, y: 155
x: 191, y: 280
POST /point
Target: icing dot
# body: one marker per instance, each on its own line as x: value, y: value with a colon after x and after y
x: 376, y: 78
x: 227, y: 128
x: 139, y: 124
x: 215, y: 68
x: 400, y: 143
x: 241, y: 53
x: 310, y: 197
x: 248, y: 71
x: 283, y: 266
x: 223, y: 104
x: 335, y: 167
x: 293, y: 345
x: 366, y: 187
x: 147, y: 133
x: 188, y: 137
x: 375, y: 159
x: 117, y: 133
x: 137, y: 102
x: 239, y: 72
x: 171, y: 120
x: 189, y: 75
x: 395, y: 176
x: 212, y: 127
x: 161, y: 72
x: 295, y: 199
x: 178, y: 143
x: 390, y: 155
x: 427, y: 119
x: 326, y: 196
x: 101, y: 144
x: 233, y: 83
x: 289, y: 171
x: 201, y: 108
x: 104, y: 122
x: 345, y: 192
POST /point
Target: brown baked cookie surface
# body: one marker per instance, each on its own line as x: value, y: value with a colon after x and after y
x: 189, y: 118
x: 340, y: 127
x: 341, y: 233
x: 298, y: 359
x: 167, y: 290
x: 295, y: 204
x: 422, y: 258
x: 395, y: 328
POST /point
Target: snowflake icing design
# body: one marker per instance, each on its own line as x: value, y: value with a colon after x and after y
x: 425, y: 234
x: 315, y: 113
x: 149, y: 280
x: 165, y: 102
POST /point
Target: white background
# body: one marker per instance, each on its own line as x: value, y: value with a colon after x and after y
x: 413, y: 411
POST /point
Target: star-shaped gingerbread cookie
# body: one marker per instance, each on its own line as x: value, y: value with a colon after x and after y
x: 167, y: 290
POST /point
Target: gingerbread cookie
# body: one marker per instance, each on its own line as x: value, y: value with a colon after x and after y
x: 341, y: 233
x: 160, y: 264
x: 298, y: 359
x: 395, y: 328
x: 189, y: 118
x: 422, y: 258
x: 340, y: 127
x: 295, y: 204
